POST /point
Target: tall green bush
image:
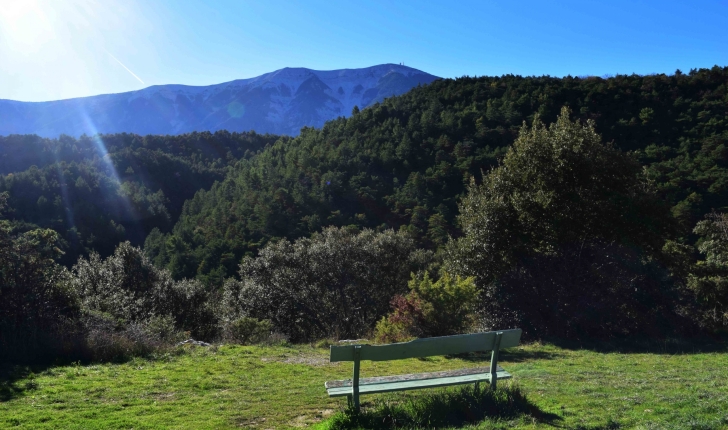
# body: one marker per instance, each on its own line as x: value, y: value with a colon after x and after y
x: 563, y: 199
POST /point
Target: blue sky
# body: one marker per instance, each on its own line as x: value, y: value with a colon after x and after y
x: 52, y: 49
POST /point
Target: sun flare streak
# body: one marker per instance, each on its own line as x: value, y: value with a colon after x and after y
x: 107, y: 161
x: 127, y: 69
x: 63, y: 184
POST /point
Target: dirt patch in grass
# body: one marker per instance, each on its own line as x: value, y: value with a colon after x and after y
x: 161, y: 397
x: 306, y: 420
x: 308, y: 360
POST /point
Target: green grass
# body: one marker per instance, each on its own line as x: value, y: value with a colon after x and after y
x: 661, y: 385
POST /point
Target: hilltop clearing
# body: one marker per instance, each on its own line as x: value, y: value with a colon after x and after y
x: 661, y: 385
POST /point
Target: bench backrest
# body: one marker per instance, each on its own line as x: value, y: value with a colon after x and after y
x: 427, y: 347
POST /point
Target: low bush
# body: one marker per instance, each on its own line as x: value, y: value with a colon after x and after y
x: 131, y: 341
x: 248, y: 331
x: 161, y: 328
x: 440, y: 308
x: 108, y: 338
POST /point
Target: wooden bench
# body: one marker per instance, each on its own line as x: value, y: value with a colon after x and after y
x: 418, y: 348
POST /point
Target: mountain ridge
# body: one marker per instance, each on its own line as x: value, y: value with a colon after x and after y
x: 279, y: 102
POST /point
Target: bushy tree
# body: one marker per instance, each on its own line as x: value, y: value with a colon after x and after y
x: 336, y: 283
x: 559, y: 191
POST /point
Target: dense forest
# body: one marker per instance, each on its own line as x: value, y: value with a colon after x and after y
x: 573, y: 207
x: 406, y: 162
x: 99, y: 191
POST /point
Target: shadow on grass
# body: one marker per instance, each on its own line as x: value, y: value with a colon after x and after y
x: 16, y: 380
x: 444, y: 409
x: 511, y: 355
x: 670, y: 346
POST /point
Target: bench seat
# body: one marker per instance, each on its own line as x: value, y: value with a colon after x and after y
x: 384, y: 384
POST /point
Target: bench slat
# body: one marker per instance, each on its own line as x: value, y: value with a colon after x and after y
x: 444, y: 345
x: 417, y: 384
x: 411, y: 377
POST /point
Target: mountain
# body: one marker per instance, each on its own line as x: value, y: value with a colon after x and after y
x: 281, y: 102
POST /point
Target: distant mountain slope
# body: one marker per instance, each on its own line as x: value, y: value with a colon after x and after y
x: 281, y: 102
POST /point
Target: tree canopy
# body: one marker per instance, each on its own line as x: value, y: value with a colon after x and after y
x: 564, y: 238
x: 556, y: 186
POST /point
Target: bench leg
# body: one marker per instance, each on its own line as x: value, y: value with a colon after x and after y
x: 355, y: 379
x: 494, y: 360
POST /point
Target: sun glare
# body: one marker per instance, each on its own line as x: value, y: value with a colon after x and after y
x: 25, y: 25
x: 77, y: 45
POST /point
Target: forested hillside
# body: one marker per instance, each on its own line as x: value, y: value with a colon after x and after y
x: 429, y: 214
x: 405, y: 163
x: 99, y: 191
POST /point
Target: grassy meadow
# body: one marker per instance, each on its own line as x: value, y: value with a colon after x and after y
x: 661, y: 385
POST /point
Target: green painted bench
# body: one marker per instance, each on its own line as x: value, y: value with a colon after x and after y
x: 419, y: 348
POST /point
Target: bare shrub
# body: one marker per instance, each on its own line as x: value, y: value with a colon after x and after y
x: 334, y: 284
x: 133, y: 308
